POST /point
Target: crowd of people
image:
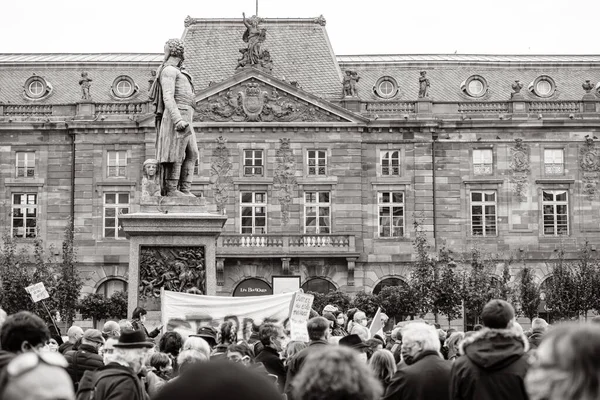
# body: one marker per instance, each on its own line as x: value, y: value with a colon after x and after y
x: 342, y: 361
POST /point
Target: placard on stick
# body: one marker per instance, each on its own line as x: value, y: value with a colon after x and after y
x: 37, y: 292
x: 299, y: 314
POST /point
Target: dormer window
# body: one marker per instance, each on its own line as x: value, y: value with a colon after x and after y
x: 37, y: 87
x: 475, y: 86
x: 543, y: 86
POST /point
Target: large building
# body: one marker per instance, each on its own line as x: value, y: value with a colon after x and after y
x: 319, y: 178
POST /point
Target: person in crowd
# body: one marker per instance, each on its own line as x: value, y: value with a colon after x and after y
x: 566, y: 364
x: 356, y: 343
x: 39, y: 376
x: 209, y: 334
x: 330, y: 308
x: 171, y: 344
x: 383, y: 365
x: 125, y: 325
x: 538, y: 329
x: 373, y: 344
x: 138, y: 318
x: 396, y: 343
x: 452, y: 344
x: 52, y: 346
x: 121, y: 381
x: 195, y: 342
x: 350, y: 316
x: 236, y: 324
x: 55, y: 332
x: 188, y: 358
x: 341, y: 321
x: 360, y: 326
x: 107, y: 351
x: 247, y: 331
x: 495, y: 360
x: 336, y: 372
x: 293, y: 347
x: 227, y: 336
x: 161, y: 367
x: 274, y: 342
x: 86, y: 357
x: 22, y: 332
x: 74, y: 333
x: 221, y: 380
x: 111, y: 329
x: 426, y: 374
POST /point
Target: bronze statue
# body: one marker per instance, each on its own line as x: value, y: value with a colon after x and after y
x: 176, y: 147
x: 150, y: 183
x: 85, y: 84
x: 423, y: 85
x: 349, y: 84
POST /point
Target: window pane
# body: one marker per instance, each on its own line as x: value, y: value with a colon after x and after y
x: 398, y: 197
x: 123, y: 198
x: 311, y: 211
x: 398, y: 211
x: 111, y: 198
x: 247, y: 197
x: 110, y: 212
x: 477, y: 210
x: 561, y: 196
x: 323, y: 197
x: 476, y: 196
x: 109, y: 232
x: 246, y: 211
x: 310, y: 197
x: 324, y: 211
x: 547, y: 196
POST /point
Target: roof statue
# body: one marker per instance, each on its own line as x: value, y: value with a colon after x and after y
x: 85, y: 84
x: 254, y: 54
x: 424, y: 85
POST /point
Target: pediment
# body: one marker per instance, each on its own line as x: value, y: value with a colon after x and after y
x: 252, y: 96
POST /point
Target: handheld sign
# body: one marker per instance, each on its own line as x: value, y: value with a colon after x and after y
x: 376, y: 327
x: 37, y: 292
x: 299, y: 313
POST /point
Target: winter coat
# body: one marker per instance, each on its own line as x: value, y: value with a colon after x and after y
x: 493, y: 366
x: 297, y: 361
x: 269, y: 357
x: 86, y: 358
x: 66, y: 346
x: 137, y: 325
x: 125, y: 386
x: 428, y: 377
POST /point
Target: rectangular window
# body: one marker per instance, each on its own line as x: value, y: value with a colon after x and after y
x: 115, y: 204
x: 390, y: 163
x: 254, y: 212
x: 391, y: 214
x: 24, y: 215
x: 25, y: 164
x: 555, y: 205
x: 554, y: 163
x: 253, y: 163
x: 317, y: 212
x: 483, y: 162
x: 483, y: 213
x: 117, y: 163
x: 317, y: 162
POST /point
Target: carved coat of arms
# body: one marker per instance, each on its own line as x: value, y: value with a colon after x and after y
x: 253, y: 101
x: 589, y: 160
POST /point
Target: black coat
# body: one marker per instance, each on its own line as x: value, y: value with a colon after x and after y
x: 66, y: 346
x: 86, y: 358
x: 297, y: 361
x: 124, y: 386
x: 269, y: 357
x: 427, y: 378
x: 137, y: 325
x: 493, y: 366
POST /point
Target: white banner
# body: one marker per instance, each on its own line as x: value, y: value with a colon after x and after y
x: 186, y: 312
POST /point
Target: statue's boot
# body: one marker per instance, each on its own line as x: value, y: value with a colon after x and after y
x: 185, y: 180
x: 172, y: 172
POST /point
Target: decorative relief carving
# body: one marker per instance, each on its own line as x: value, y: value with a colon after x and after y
x: 254, y: 54
x: 220, y: 174
x: 187, y: 21
x: 520, y: 167
x: 589, y: 162
x: 252, y: 102
x: 284, y: 179
x: 180, y: 269
x: 320, y: 20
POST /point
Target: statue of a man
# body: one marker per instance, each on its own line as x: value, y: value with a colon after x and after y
x: 176, y: 146
x: 85, y: 83
x: 423, y: 85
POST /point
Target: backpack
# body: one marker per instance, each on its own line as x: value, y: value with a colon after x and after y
x: 89, y: 382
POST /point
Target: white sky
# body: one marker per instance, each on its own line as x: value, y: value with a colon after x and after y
x: 354, y: 26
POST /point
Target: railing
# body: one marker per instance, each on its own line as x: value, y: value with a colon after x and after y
x: 480, y: 107
x: 320, y: 241
x: 252, y: 241
x: 119, y: 108
x: 554, y: 106
x: 282, y: 244
x: 389, y: 107
x: 28, y: 109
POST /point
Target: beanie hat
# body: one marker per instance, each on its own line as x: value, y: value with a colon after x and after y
x: 330, y: 308
x: 497, y: 314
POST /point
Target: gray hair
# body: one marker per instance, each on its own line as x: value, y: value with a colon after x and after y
x: 539, y: 324
x: 198, y: 344
x: 423, y: 333
x: 130, y: 357
x: 187, y: 358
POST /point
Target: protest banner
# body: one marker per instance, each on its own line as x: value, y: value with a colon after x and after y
x: 299, y: 314
x: 376, y: 327
x: 37, y: 292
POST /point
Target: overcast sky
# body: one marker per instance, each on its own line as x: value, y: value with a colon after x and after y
x: 354, y: 26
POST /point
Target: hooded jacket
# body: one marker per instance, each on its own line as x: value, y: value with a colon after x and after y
x: 492, y: 366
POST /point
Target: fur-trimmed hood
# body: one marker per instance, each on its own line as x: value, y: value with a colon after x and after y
x: 494, y: 348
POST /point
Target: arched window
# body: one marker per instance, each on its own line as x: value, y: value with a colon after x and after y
x: 110, y: 286
x: 318, y: 285
x: 252, y: 287
x: 388, y: 282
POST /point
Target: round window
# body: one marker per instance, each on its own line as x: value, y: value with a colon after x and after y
x: 475, y: 86
x: 543, y: 86
x: 36, y: 88
x: 386, y: 87
x: 124, y: 87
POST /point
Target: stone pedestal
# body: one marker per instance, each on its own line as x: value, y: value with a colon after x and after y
x: 424, y: 106
x: 168, y: 224
x: 353, y: 104
x: 86, y: 109
x: 589, y: 102
x: 518, y: 105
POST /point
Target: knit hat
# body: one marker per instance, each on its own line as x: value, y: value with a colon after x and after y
x: 497, y: 314
x: 329, y: 308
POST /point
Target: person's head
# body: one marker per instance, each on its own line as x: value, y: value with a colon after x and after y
x: 52, y: 345
x: 453, y: 342
x: 227, y: 333
x: 108, y: 350
x: 374, y: 345
x: 74, y: 333
x: 94, y: 338
x: 36, y: 376
x: 497, y: 314
x: 197, y: 343
x: 360, y: 318
x: 331, y: 318
x: 336, y: 372
x: 111, y: 329
x: 566, y: 364
x: 125, y: 325
x: 161, y: 362
x: 140, y: 314
x: 272, y: 335
x: 235, y: 320
x: 330, y: 308
x: 56, y: 315
x: 247, y: 328
x: 170, y: 343
x: 23, y: 332
x: 418, y: 337
x: 174, y: 48
x: 318, y: 328
x: 150, y: 167
x: 293, y: 348
x: 539, y: 325
x: 383, y: 365
x: 341, y: 319
x: 209, y: 334
x: 187, y: 358
x: 240, y: 353
x: 384, y: 318
x: 131, y: 349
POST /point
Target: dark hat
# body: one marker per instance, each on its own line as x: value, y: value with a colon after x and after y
x: 130, y: 339
x: 497, y: 314
x: 93, y: 335
x: 209, y: 334
x: 330, y: 317
x: 353, y: 341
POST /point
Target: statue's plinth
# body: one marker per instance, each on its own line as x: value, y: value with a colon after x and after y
x: 170, y: 223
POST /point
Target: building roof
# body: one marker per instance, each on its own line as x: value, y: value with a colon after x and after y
x: 468, y: 58
x: 75, y: 58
